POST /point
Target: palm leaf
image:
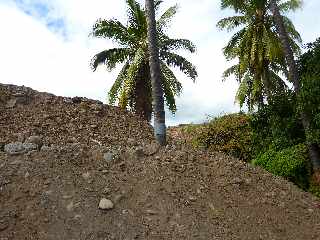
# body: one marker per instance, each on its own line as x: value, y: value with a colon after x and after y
x: 166, y: 18
x: 116, y: 87
x: 175, y: 60
x: 110, y: 58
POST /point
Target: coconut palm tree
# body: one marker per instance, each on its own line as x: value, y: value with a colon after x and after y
x: 132, y: 88
x: 257, y: 47
x: 154, y: 63
x: 294, y: 75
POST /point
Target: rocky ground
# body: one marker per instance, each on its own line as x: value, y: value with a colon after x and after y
x: 78, y: 169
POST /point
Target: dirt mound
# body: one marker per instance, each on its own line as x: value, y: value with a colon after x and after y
x: 61, y: 120
x: 168, y: 193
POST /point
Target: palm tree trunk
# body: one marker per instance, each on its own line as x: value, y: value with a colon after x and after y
x: 157, y: 91
x: 294, y: 76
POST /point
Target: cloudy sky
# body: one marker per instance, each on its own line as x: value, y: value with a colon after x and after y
x: 44, y: 44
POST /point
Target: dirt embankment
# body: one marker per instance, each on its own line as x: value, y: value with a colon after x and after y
x: 86, y: 151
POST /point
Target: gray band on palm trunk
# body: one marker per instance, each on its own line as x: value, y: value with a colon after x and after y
x: 159, y: 128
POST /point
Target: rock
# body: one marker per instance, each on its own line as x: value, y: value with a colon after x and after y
x: 76, y: 100
x: 108, y: 156
x: 15, y: 148
x: 86, y: 175
x: 18, y: 99
x: 151, y: 212
x: 37, y: 140
x: 151, y: 149
x: 30, y: 147
x: 96, y: 107
x: 70, y: 206
x: 105, y: 204
x: 46, y: 148
x: 11, y: 103
x: 137, y: 153
x: 131, y: 142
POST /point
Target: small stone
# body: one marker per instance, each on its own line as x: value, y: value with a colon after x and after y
x: 108, y: 156
x: 131, y: 142
x: 86, y: 175
x: 151, y: 149
x: 46, y: 148
x: 15, y: 148
x: 192, y: 198
x: 105, y: 204
x: 67, y: 196
x: 106, y: 190
x: 237, y: 181
x: 151, y: 212
x: 30, y: 147
x: 70, y: 206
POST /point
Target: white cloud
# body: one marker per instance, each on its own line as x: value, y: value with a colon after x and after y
x: 38, y: 56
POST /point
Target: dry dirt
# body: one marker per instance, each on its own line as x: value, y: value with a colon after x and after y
x: 171, y: 193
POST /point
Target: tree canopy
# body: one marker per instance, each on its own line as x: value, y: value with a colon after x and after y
x: 132, y: 88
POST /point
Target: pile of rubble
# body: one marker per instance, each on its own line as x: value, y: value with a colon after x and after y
x: 73, y: 168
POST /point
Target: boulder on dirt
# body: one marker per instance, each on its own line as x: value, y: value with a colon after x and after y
x: 30, y: 147
x: 15, y: 148
x: 106, y: 204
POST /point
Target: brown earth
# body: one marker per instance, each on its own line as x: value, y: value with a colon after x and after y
x: 173, y: 192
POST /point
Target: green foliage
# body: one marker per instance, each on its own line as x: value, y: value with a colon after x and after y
x: 290, y: 163
x: 132, y: 88
x: 276, y: 125
x: 314, y: 189
x: 257, y: 47
x: 309, y: 100
x: 230, y: 134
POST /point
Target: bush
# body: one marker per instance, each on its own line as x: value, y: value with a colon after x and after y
x: 230, y: 134
x: 291, y: 163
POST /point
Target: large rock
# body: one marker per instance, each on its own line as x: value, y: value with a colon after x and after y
x: 30, y: 147
x: 15, y: 148
x: 106, y: 204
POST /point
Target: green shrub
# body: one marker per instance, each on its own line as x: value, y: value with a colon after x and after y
x: 230, y: 134
x: 290, y: 163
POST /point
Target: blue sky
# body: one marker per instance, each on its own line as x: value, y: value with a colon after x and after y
x: 46, y: 47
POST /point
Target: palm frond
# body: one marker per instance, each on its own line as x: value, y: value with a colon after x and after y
x: 110, y: 58
x: 290, y: 5
x: 133, y: 71
x: 166, y: 18
x: 112, y: 29
x: 233, y: 70
x: 176, y: 44
x: 171, y: 79
x: 230, y: 23
x: 116, y: 87
x: 183, y: 64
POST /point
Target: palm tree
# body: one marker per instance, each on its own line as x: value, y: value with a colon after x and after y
x: 258, y: 49
x: 132, y: 88
x: 154, y: 63
x: 294, y: 75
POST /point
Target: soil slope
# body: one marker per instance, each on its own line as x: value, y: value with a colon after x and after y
x: 91, y: 151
